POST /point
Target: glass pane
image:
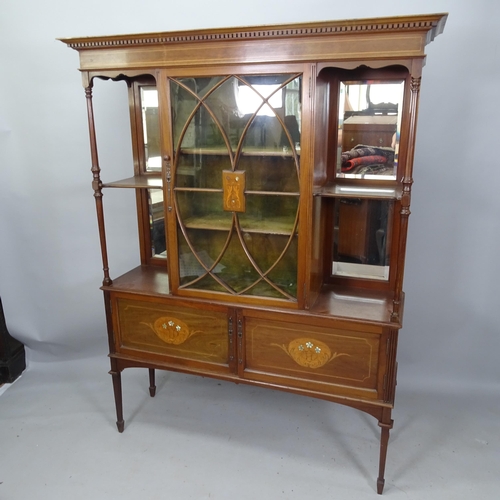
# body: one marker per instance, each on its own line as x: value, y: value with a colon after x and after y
x: 273, y: 107
x: 269, y: 214
x: 270, y: 173
x: 157, y: 223
x: 284, y: 274
x: 184, y: 102
x: 236, y: 182
x: 237, y: 269
x: 201, y: 109
x: 200, y: 263
x: 151, y: 128
x: 362, y: 238
x: 369, y: 128
x: 197, y: 170
x: 203, y: 210
x: 221, y: 103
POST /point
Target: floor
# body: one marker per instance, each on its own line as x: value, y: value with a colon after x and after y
x: 205, y: 439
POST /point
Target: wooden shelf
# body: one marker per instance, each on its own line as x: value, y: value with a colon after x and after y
x: 143, y: 280
x: 137, y: 182
x: 370, y: 192
x: 358, y: 304
x: 247, y: 192
x: 248, y: 151
x: 277, y: 225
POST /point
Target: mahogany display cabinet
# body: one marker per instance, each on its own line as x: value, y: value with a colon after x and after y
x: 272, y: 168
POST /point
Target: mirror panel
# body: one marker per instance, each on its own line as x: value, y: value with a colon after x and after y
x: 362, y: 238
x: 151, y: 128
x: 369, y: 125
x: 157, y: 223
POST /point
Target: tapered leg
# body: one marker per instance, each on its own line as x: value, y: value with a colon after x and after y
x: 117, y: 388
x: 152, y: 386
x: 384, y: 441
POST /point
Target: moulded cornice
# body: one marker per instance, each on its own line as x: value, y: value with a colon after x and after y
x: 432, y: 23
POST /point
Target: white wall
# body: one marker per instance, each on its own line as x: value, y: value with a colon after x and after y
x: 50, y: 267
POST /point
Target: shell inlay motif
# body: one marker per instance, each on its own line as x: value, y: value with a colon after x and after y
x: 171, y: 330
x: 310, y: 353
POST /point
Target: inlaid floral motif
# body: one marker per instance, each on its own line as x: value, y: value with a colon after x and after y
x: 171, y: 330
x: 310, y: 353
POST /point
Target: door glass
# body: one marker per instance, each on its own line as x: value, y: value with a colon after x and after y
x: 362, y: 238
x: 236, y: 182
x: 369, y: 125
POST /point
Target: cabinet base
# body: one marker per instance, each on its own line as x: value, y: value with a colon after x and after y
x: 382, y: 414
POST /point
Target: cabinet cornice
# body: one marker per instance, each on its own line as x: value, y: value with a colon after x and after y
x: 378, y: 38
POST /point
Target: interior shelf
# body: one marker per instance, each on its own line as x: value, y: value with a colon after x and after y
x: 282, y: 225
x: 247, y: 151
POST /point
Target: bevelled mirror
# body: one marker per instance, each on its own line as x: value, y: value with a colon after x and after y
x: 369, y: 125
x: 151, y: 128
x: 157, y: 223
x: 362, y: 238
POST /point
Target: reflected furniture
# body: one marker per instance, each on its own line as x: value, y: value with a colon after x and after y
x: 272, y: 168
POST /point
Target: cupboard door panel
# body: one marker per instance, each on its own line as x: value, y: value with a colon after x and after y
x: 326, y: 359
x: 153, y: 327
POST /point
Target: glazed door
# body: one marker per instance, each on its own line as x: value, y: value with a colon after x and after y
x: 233, y: 185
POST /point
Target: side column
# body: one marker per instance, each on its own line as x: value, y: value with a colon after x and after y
x: 406, y: 197
x: 97, y: 184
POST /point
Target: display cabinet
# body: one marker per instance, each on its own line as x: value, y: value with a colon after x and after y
x: 272, y: 168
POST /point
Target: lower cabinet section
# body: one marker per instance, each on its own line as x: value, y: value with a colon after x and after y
x: 322, y: 355
x: 321, y: 358
x: 158, y: 329
x: 344, y: 361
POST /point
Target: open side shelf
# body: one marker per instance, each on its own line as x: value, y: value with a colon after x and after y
x: 137, y: 182
x: 359, y: 191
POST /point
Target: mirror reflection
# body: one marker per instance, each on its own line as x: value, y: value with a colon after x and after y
x: 362, y: 236
x: 157, y: 223
x: 151, y: 128
x: 369, y: 127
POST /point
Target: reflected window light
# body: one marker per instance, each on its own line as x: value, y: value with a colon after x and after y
x: 248, y: 100
x: 149, y: 98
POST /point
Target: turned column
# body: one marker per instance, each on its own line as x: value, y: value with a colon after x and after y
x: 97, y: 184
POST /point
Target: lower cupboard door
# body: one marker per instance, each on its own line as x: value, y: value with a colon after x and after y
x: 172, y: 334
x: 327, y: 360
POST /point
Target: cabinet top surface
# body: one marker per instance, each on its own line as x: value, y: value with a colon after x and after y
x: 432, y: 24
